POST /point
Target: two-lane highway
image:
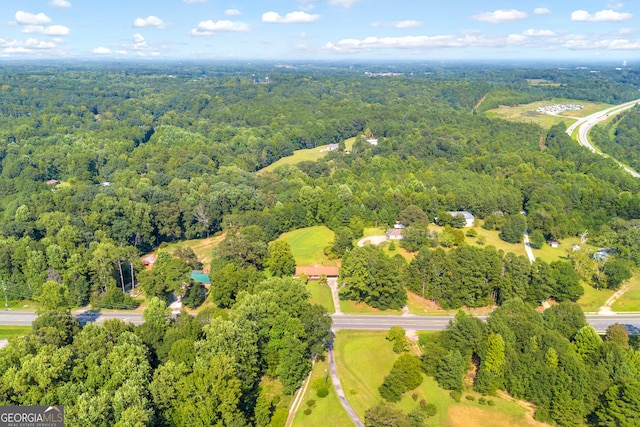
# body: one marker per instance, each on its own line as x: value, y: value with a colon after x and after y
x: 340, y: 321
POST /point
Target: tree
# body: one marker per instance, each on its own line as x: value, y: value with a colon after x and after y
x: 342, y: 242
x: 616, y: 272
x: 494, y: 358
x: 587, y: 341
x: 280, y: 259
x: 513, y: 228
x: 620, y: 406
x: 536, y: 239
x: 617, y: 333
x: 385, y: 415
x: 413, y: 215
x: 405, y: 375
x: 450, y: 371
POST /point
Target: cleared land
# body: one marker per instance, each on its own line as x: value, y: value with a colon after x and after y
x: 308, y: 154
x: 203, y: 248
x: 307, y: 245
x: 365, y: 358
x: 527, y: 112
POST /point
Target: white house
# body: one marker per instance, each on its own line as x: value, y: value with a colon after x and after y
x: 469, y: 219
x: 395, y: 234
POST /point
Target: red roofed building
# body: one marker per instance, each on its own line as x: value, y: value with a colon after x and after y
x: 313, y: 272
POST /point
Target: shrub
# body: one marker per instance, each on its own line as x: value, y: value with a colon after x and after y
x: 470, y: 397
x: 414, y: 396
x: 491, y: 402
x: 307, y: 411
x: 322, y: 392
x: 455, y: 395
x: 472, y: 232
x: 482, y: 401
x: 429, y: 409
x: 311, y: 403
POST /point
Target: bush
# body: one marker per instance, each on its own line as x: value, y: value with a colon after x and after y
x: 311, y: 403
x: 307, y: 411
x: 429, y: 409
x: 455, y: 395
x: 414, y: 396
x: 482, y: 401
x: 322, y: 392
x: 470, y: 397
x: 491, y: 402
x: 472, y: 232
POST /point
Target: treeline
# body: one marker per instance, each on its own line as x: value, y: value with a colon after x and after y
x: 464, y: 276
x: 553, y: 359
x: 218, y: 368
x: 619, y: 138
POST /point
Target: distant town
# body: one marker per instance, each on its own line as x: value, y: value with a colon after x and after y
x: 559, y: 108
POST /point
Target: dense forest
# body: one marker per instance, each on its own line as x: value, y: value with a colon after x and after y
x: 101, y: 164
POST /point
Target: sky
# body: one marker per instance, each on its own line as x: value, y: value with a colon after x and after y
x: 419, y: 30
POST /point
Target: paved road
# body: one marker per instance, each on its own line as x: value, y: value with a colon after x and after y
x: 586, y: 123
x: 340, y: 321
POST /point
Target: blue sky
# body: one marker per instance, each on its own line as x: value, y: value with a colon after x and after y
x: 321, y: 29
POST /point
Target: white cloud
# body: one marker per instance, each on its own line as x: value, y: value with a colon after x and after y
x: 499, y: 16
x: 121, y: 52
x: 345, y: 3
x: 539, y: 33
x: 297, y: 17
x: 149, y: 21
x: 607, y: 15
x: 60, y: 3
x: 138, y: 38
x: 210, y: 27
x: 51, y: 30
x: 615, y: 44
x: 541, y: 11
x: 399, y: 24
x: 101, y: 51
x: 626, y: 31
x: 232, y: 12
x: 26, y: 18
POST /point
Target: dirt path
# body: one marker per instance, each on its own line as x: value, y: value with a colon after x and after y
x: 606, y: 307
x: 527, y: 248
x: 475, y: 107
x: 297, y: 401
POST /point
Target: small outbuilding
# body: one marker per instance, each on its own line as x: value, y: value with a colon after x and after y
x: 395, y: 234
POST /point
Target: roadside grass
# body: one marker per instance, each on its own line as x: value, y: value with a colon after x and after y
x: 630, y: 300
x: 353, y: 307
x: 364, y: 358
x: 321, y: 294
x: 7, y: 331
x: 527, y: 112
x: 307, y: 245
x: 307, y: 154
x: 327, y: 411
x: 424, y: 307
x: 21, y: 305
x: 593, y: 298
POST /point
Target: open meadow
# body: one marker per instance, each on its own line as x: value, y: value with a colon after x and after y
x: 307, y: 245
x: 527, y: 112
x: 363, y: 360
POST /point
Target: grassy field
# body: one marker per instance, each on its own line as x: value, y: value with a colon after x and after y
x: 365, y: 358
x: 327, y: 411
x: 321, y: 294
x: 527, y: 112
x: 307, y: 245
x: 309, y: 154
x: 593, y: 299
x: 352, y: 307
x: 630, y: 300
x: 7, y: 332
x: 203, y: 248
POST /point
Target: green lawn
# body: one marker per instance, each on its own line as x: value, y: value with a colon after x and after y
x: 203, y: 248
x: 7, y: 332
x: 307, y: 245
x: 321, y: 294
x: 327, y: 411
x: 364, y: 358
x: 22, y: 305
x: 593, y: 299
x: 630, y: 300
